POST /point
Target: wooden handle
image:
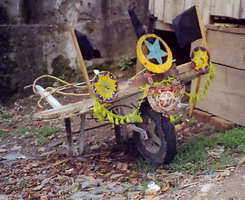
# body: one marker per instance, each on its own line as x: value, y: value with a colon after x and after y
x: 81, y: 61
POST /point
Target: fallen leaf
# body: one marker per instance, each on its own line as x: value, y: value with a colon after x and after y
x: 3, y: 150
x: 124, y: 167
x: 241, y: 161
x: 162, y: 171
x: 37, y: 188
x: 166, y: 187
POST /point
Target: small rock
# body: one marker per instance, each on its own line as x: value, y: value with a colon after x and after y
x: 216, y: 152
x: 227, y: 172
x: 16, y: 148
x: 89, y: 184
x: 48, y: 153
x: 55, y: 144
x: 14, y: 156
x: 205, y: 188
x: 3, y: 197
x: 111, y: 185
x: 3, y: 150
x: 42, y: 149
x: 94, y: 147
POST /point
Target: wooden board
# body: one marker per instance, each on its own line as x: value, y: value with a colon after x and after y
x: 159, y: 9
x: 171, y: 9
x: 226, y: 95
x: 242, y: 9
x: 227, y: 47
x: 227, y: 8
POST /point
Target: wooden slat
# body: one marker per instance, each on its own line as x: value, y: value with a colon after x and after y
x: 158, y: 9
x: 171, y: 9
x: 242, y: 10
x: 204, y: 7
x: 228, y: 8
x: 152, y: 6
x: 206, y: 11
x: 226, y: 95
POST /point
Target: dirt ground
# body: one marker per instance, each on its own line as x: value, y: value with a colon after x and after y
x: 33, y: 170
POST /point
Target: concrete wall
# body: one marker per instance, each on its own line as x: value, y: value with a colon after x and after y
x: 35, y: 38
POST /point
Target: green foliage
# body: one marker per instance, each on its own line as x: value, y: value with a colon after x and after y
x: 126, y: 64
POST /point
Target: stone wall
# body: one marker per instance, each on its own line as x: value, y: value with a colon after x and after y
x: 35, y: 37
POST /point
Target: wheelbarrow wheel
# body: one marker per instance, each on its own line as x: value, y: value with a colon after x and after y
x: 160, y: 147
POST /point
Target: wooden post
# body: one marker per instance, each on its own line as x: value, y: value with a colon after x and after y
x: 196, y: 81
x: 81, y: 61
x: 69, y: 136
x: 81, y: 135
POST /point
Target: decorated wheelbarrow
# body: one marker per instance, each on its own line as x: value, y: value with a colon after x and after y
x: 141, y: 105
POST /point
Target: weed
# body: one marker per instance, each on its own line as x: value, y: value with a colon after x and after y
x: 144, y: 186
x: 5, y: 115
x: 145, y: 166
x: 23, y: 184
x: 126, y: 64
x: 42, y: 141
x: 191, y: 121
x: 23, y: 131
x: 3, y: 133
x: 48, y: 131
x: 102, y: 67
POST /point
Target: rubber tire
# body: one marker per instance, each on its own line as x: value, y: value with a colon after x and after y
x: 165, y: 132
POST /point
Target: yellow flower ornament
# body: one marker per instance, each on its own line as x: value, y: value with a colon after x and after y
x: 105, y: 86
x: 200, y: 59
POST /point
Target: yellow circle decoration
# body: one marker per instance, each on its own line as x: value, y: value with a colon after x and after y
x: 200, y: 59
x: 105, y: 86
x: 154, y: 53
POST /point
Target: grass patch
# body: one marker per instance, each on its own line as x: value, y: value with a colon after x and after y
x: 144, y: 166
x: 193, y: 158
x: 3, y: 133
x: 48, y: 131
x: 45, y: 132
x: 24, y: 131
x: 233, y: 139
x: 5, y: 115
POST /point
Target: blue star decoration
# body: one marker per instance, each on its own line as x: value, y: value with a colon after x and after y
x: 155, y: 51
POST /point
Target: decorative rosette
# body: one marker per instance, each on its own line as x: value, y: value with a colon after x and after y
x: 105, y: 86
x: 200, y: 59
